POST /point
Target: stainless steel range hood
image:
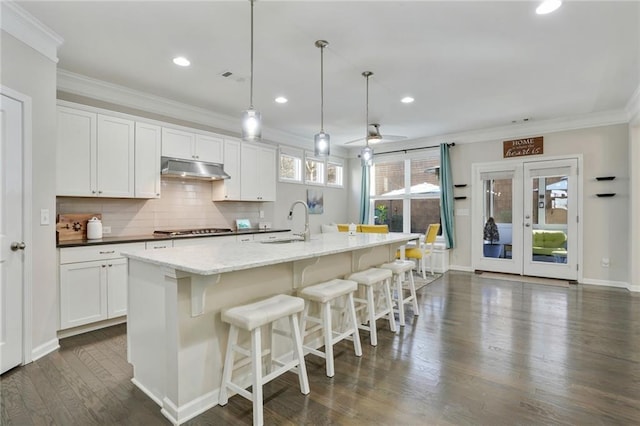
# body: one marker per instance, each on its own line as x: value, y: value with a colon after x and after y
x: 193, y: 169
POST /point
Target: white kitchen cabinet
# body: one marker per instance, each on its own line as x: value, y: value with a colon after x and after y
x: 93, y: 283
x: 95, y: 154
x: 229, y: 189
x: 147, y: 160
x: 76, y: 153
x: 115, y: 157
x: 83, y: 293
x: 154, y: 245
x: 204, y: 241
x: 191, y: 146
x: 245, y: 238
x: 257, y: 172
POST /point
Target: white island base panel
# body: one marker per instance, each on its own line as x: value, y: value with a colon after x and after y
x: 176, y: 338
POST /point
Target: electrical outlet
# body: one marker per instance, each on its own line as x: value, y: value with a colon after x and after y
x: 106, y: 229
x: 605, y: 262
x: 44, y: 216
x: 261, y: 214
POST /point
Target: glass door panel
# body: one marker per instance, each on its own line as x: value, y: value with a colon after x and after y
x: 550, y: 219
x: 495, y: 235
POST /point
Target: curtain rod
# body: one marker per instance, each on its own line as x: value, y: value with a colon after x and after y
x: 412, y: 149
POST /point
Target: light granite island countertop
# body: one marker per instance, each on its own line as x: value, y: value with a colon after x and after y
x: 176, y: 339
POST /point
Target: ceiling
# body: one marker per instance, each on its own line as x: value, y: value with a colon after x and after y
x: 469, y: 64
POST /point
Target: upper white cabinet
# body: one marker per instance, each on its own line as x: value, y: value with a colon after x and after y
x: 76, y: 152
x: 115, y: 156
x: 229, y: 189
x: 191, y: 146
x: 258, y: 180
x: 253, y: 173
x: 95, y: 154
x: 147, y: 162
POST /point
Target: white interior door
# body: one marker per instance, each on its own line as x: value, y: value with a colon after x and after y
x: 11, y: 234
x: 534, y: 205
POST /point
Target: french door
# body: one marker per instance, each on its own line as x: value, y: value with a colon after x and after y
x: 534, y: 205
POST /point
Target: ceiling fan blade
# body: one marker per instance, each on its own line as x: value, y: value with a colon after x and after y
x: 355, y: 141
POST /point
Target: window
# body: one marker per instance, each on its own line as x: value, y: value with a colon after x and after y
x: 314, y: 171
x: 406, y: 192
x: 290, y: 165
x: 334, y: 174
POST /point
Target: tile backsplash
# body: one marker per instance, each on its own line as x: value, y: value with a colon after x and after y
x: 184, y: 204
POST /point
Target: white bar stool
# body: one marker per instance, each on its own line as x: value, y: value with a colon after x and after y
x: 399, y: 269
x: 323, y: 294
x: 375, y: 280
x: 251, y: 317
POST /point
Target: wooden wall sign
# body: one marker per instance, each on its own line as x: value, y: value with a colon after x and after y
x: 522, y: 147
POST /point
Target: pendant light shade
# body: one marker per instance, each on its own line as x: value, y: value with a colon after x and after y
x: 321, y: 141
x: 366, y: 155
x: 251, y: 119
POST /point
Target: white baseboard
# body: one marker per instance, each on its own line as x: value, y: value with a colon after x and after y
x: 460, y: 268
x: 179, y: 415
x: 606, y: 283
x: 44, y: 349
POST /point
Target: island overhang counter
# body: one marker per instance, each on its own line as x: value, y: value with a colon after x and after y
x: 175, y: 337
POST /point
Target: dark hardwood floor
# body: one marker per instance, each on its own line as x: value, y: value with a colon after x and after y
x: 483, y: 352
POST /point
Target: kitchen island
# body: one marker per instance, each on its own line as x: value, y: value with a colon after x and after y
x: 176, y: 339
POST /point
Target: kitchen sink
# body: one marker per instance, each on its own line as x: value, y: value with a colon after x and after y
x: 283, y: 240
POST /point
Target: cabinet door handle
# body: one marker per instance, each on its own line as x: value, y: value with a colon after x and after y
x: 99, y: 192
x: 108, y: 252
x: 110, y: 265
x: 103, y: 265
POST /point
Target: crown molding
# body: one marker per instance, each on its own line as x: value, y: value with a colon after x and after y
x: 108, y: 92
x: 23, y: 26
x: 599, y: 119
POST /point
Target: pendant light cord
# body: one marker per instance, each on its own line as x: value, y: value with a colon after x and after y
x: 321, y: 89
x: 251, y: 76
x: 367, y: 74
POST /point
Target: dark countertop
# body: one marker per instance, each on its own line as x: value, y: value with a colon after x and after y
x: 144, y: 238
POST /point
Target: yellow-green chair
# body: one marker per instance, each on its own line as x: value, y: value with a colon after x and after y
x: 424, y: 249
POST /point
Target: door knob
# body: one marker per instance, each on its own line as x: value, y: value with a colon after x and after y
x: 15, y: 246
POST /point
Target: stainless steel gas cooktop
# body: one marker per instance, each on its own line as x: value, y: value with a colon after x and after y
x: 189, y: 232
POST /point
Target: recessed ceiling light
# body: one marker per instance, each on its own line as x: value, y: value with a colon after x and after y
x: 407, y: 100
x: 181, y: 61
x: 548, y: 6
x: 281, y: 100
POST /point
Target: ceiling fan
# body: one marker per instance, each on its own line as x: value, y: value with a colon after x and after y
x: 376, y: 137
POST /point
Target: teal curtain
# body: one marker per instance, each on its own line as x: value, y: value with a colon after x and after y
x: 364, y: 195
x: 446, y: 197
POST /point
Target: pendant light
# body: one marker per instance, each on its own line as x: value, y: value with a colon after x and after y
x: 321, y: 141
x: 366, y: 155
x: 251, y: 119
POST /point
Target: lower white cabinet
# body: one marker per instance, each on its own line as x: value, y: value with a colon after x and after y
x: 93, y: 283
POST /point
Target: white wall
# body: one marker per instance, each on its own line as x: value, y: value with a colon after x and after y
x: 335, y: 206
x: 30, y: 73
x: 605, y: 151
